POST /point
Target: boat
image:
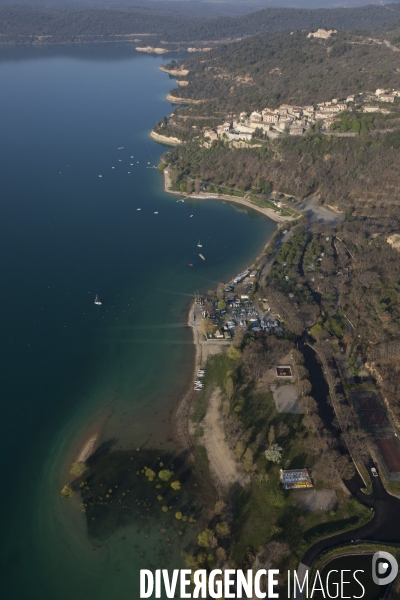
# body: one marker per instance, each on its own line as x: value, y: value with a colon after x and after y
x: 131, y: 156
x: 100, y: 175
x: 121, y: 148
x: 97, y: 301
x: 129, y: 172
x: 199, y: 245
x: 156, y: 212
x: 138, y: 209
x: 190, y: 265
x: 113, y: 167
x: 191, y: 216
x: 202, y: 257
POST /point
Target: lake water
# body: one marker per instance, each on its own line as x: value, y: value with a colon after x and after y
x: 70, y: 368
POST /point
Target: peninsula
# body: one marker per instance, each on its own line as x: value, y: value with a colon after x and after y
x: 295, y: 357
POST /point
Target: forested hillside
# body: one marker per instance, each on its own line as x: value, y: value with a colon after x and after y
x: 358, y: 173
x: 262, y: 71
x: 18, y: 23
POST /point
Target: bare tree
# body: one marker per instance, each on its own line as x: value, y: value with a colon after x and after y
x: 308, y: 405
x: 304, y: 387
x: 206, y: 327
x: 254, y: 360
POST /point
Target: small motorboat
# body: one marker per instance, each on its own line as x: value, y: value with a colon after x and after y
x: 202, y: 257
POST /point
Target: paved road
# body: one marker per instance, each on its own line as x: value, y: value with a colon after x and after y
x: 317, y: 212
x: 383, y: 527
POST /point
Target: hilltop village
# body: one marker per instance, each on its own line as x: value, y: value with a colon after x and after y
x: 296, y: 120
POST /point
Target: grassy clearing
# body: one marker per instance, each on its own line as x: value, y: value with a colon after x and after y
x: 263, y: 511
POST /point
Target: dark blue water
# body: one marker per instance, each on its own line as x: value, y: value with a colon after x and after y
x: 70, y: 368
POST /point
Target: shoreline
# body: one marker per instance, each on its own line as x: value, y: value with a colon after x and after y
x: 164, y: 139
x: 267, y: 212
x: 174, y: 72
x: 181, y: 416
x: 178, y: 100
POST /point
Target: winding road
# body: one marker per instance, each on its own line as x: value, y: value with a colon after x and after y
x: 383, y: 527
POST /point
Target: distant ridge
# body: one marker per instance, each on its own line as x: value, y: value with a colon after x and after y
x: 20, y: 24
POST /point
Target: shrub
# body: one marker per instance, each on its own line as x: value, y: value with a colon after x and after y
x: 67, y: 491
x: 165, y: 475
x: 78, y: 468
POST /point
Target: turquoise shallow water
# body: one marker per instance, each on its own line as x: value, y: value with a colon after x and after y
x: 69, y: 367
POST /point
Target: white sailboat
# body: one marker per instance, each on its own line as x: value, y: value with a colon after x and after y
x: 97, y: 301
x: 199, y: 245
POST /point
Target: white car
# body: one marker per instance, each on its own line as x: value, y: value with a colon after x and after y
x: 374, y: 472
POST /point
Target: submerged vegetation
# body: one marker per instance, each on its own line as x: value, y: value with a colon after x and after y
x: 134, y: 487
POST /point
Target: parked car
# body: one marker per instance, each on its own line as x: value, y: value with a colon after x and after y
x: 374, y: 472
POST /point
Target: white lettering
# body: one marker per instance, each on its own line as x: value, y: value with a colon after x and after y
x: 335, y: 585
x: 272, y: 582
x: 257, y: 591
x: 146, y: 579
x: 200, y: 580
x: 359, y: 583
x: 314, y: 588
x: 343, y: 582
x: 228, y: 582
x: 185, y: 581
x: 157, y: 590
x: 297, y: 588
x: 170, y: 588
x: 244, y: 585
x: 215, y: 587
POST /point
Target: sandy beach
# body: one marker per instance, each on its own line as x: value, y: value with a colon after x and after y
x: 203, y: 349
x: 88, y: 448
x: 224, y: 468
x: 268, y: 212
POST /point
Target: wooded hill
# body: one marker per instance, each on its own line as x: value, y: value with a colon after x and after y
x: 18, y: 23
x: 359, y: 172
x: 262, y: 71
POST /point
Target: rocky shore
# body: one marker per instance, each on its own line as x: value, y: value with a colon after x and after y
x: 164, y: 139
